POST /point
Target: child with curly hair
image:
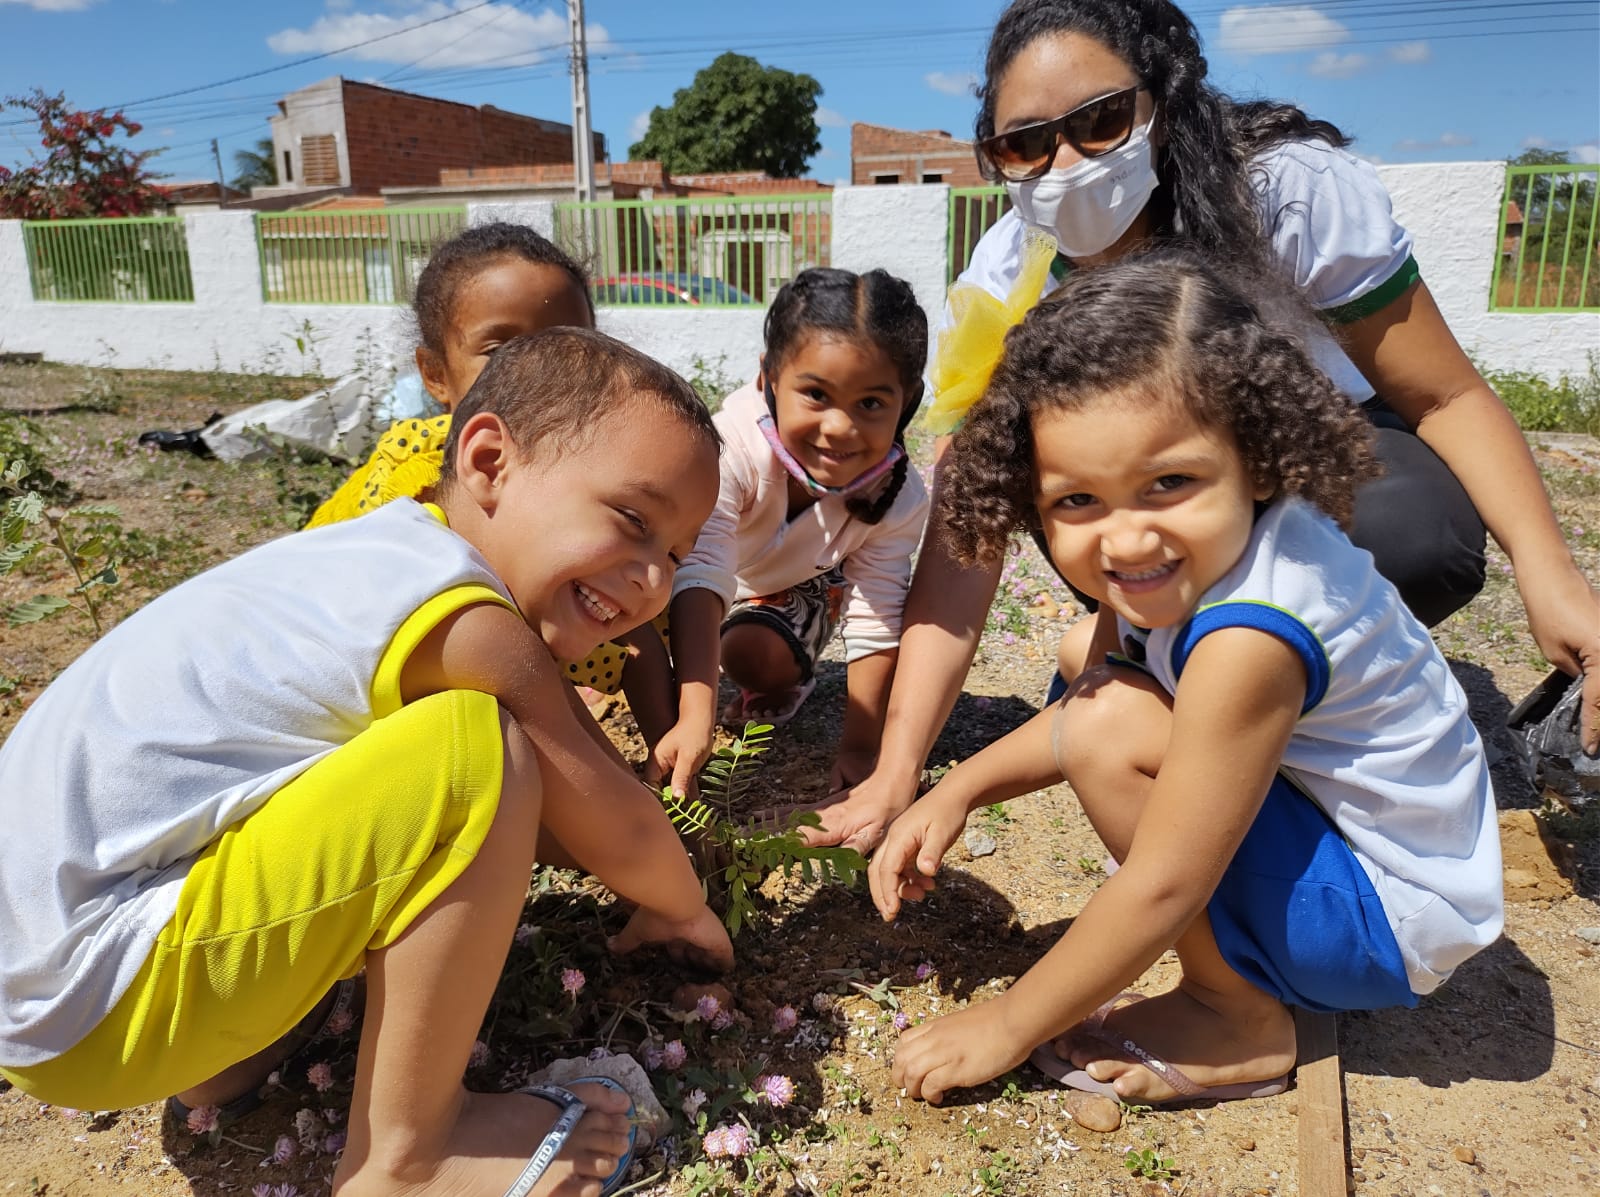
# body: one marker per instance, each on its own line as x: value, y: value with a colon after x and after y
x: 1302, y: 809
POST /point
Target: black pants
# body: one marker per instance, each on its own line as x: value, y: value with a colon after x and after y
x: 1422, y: 530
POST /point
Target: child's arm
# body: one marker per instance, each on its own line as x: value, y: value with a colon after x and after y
x: 611, y: 824
x: 867, y: 683
x: 696, y: 630
x: 1233, y: 715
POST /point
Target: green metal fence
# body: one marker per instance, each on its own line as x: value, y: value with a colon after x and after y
x: 1548, y: 259
x: 134, y: 259
x: 973, y: 211
x: 733, y: 251
x: 370, y: 256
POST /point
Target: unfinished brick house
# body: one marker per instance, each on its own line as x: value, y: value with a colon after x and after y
x: 358, y: 138
x: 880, y: 155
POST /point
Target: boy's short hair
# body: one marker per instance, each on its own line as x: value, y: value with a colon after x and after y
x: 557, y: 383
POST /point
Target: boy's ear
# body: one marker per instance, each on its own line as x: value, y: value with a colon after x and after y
x: 484, y: 454
x: 431, y: 366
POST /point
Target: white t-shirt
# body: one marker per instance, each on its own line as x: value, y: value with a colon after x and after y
x: 1331, y: 225
x: 181, y: 721
x: 1385, y: 744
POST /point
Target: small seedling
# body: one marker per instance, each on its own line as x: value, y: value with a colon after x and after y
x: 92, y: 556
x: 1090, y: 866
x: 1150, y: 1164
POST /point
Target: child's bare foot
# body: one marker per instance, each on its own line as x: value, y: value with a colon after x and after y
x: 495, y: 1136
x: 1215, y: 1040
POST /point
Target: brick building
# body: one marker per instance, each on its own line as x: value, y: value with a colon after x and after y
x: 882, y: 155
x: 358, y: 138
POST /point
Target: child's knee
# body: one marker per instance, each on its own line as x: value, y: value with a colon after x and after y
x: 758, y: 658
x: 1072, y: 654
x: 1111, y: 724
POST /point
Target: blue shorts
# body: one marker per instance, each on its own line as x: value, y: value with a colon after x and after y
x: 1296, y: 915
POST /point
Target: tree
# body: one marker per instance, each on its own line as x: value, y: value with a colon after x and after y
x: 257, y: 167
x: 736, y: 115
x: 83, y: 171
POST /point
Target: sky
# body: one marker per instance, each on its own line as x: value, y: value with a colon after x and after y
x: 1411, y: 80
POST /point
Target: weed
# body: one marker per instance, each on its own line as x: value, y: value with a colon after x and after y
x: 992, y: 1176
x: 1150, y: 1164
x: 1569, y: 404
x: 1091, y: 867
x: 91, y: 556
x: 711, y: 380
x: 997, y: 816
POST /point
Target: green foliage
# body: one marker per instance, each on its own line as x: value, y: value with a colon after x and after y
x: 736, y: 115
x: 1570, y: 404
x: 28, y: 525
x: 22, y: 445
x: 736, y: 855
x: 1150, y: 1164
x: 712, y: 382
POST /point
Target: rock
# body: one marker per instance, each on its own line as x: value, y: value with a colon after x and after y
x: 1093, y: 1112
x: 1247, y: 1144
x: 1537, y: 865
x: 979, y: 843
x: 625, y: 1070
x: 1466, y: 1155
x: 1588, y: 934
x: 687, y: 996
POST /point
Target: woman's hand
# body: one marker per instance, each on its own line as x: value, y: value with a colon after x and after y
x: 680, y: 755
x: 903, y: 868
x: 956, y: 1052
x: 1564, y: 616
x: 857, y: 817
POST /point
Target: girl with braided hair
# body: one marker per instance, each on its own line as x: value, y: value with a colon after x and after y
x: 1098, y: 117
x: 1286, y: 770
x: 817, y: 518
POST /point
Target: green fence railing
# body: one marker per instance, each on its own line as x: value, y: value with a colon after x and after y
x: 733, y: 251
x: 1548, y: 259
x: 368, y: 256
x: 973, y: 211
x: 132, y: 259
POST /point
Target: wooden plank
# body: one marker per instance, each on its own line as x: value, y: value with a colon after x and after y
x: 1320, y: 1082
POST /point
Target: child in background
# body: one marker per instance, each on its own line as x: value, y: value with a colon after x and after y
x: 483, y: 287
x: 1303, y: 811
x: 211, y: 819
x: 817, y: 518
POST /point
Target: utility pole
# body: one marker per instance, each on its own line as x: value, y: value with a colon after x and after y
x: 582, y: 134
x: 222, y: 188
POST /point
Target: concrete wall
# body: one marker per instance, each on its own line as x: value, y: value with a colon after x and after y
x: 1452, y: 210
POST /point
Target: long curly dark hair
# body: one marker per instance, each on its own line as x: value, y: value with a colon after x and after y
x: 1204, y: 164
x: 874, y: 308
x: 1178, y: 323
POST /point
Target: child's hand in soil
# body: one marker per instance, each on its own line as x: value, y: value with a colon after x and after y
x: 701, y: 941
x: 956, y: 1052
x: 680, y: 755
x: 903, y: 867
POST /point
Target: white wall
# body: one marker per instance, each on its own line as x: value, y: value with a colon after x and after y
x: 1452, y: 209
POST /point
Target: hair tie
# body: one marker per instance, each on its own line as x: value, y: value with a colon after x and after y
x: 970, y: 345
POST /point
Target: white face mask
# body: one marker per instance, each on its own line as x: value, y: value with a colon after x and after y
x: 1089, y: 204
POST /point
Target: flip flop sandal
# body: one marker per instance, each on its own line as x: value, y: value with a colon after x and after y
x: 572, y: 1110
x: 792, y: 700
x: 341, y: 1015
x: 1046, y: 1061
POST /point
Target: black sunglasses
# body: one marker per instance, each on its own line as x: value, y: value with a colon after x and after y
x: 1094, y: 128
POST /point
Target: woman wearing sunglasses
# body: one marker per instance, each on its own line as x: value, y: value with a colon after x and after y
x: 1097, y: 116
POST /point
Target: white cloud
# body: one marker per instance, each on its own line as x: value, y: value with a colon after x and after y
x: 1278, y: 29
x: 493, y: 34
x: 1445, y: 141
x: 639, y: 127
x: 1408, y: 53
x: 959, y: 83
x: 1588, y: 153
x: 1332, y: 65
x: 1535, y: 143
x: 53, y: 5
x: 829, y: 118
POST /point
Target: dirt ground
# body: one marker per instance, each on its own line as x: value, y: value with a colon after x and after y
x: 1490, y: 1086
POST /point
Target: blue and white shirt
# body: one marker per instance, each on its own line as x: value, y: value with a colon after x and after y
x: 1384, y: 743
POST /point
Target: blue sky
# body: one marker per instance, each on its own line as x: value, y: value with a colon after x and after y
x: 1412, y: 80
